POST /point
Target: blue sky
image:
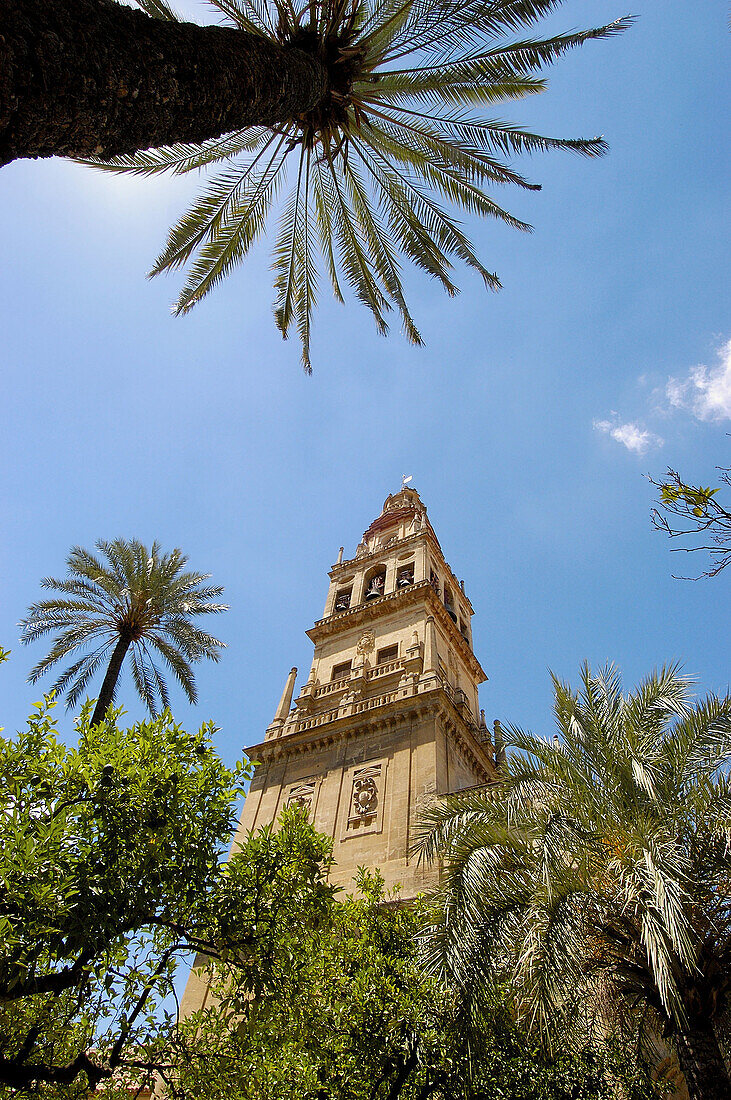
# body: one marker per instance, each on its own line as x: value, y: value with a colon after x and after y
x: 527, y: 422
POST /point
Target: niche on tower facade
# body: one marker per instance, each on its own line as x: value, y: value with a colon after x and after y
x: 375, y: 583
x: 304, y: 795
x: 365, y: 787
x: 405, y: 575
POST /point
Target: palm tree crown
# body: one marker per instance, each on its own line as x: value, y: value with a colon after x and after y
x: 401, y: 129
x: 601, y: 866
x: 135, y: 599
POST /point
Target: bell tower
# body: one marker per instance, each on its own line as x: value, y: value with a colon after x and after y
x: 388, y: 718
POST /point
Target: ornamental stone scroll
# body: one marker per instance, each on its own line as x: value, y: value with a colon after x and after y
x: 366, y: 784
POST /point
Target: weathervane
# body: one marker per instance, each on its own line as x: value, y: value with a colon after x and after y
x: 405, y: 479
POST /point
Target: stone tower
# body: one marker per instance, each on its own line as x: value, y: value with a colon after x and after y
x: 388, y: 718
x: 389, y: 715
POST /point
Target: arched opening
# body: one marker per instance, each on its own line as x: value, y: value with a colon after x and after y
x: 375, y: 583
x: 342, y: 599
x: 405, y: 575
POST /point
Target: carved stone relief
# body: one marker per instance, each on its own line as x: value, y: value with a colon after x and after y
x: 302, y: 794
x: 365, y: 797
x: 366, y: 642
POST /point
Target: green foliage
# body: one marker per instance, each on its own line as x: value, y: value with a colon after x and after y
x: 705, y: 523
x: 110, y: 869
x: 695, y: 499
x: 348, y: 1012
x: 598, y: 873
x: 136, y: 599
x: 375, y: 165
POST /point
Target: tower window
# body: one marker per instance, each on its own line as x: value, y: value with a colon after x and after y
x: 375, y: 583
x: 342, y: 599
x: 388, y: 653
x: 463, y: 630
x: 434, y: 582
x: 449, y: 603
x: 342, y: 670
x: 405, y: 575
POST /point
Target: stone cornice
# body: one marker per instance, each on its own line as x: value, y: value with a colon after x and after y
x: 364, y: 613
x: 373, y: 556
x: 434, y: 703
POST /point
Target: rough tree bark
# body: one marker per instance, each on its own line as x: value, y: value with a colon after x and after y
x: 85, y: 78
x: 702, y: 1064
x: 106, y: 695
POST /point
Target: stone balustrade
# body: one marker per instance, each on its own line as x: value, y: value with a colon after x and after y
x: 353, y: 706
x: 331, y: 688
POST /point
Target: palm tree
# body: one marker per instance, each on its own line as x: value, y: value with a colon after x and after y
x: 386, y: 123
x: 602, y: 864
x: 83, y: 77
x: 136, y: 599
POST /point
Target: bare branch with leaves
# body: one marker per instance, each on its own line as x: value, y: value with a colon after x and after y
x: 704, y: 521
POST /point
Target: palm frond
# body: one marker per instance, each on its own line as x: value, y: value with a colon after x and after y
x: 181, y: 158
x: 599, y: 856
x: 288, y: 249
x: 140, y: 596
x: 375, y: 160
x: 176, y: 663
x: 75, y: 683
x: 324, y: 204
x: 381, y: 246
x: 229, y: 240
x: 354, y: 255
x: 143, y: 679
x: 247, y: 15
x: 158, y: 9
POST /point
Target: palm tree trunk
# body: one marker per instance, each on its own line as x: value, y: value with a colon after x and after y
x: 703, y: 1066
x: 83, y: 78
x: 106, y: 695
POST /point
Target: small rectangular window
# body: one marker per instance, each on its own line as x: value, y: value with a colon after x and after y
x: 389, y: 653
x: 341, y: 671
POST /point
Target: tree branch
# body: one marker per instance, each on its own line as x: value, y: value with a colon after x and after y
x: 702, y: 515
x: 49, y: 983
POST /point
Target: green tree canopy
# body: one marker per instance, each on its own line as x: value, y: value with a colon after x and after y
x: 601, y: 868
x: 128, y: 598
x: 111, y: 871
x: 346, y: 1012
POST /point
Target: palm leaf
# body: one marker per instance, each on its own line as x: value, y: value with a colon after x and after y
x: 232, y: 238
x: 141, y: 594
x: 158, y: 9
x: 181, y: 158
x: 418, y: 136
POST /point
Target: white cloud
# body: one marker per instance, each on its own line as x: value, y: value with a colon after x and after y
x: 630, y: 435
x: 706, y: 391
